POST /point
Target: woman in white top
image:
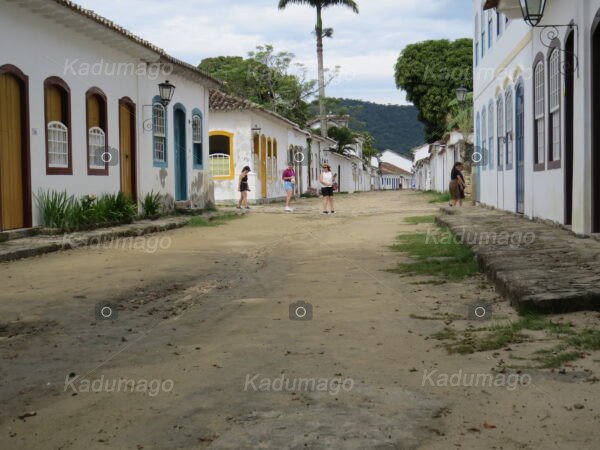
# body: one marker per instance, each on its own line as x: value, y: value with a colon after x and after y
x: 327, y: 180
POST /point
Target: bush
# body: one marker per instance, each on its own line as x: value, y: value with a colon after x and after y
x: 67, y: 213
x: 152, y: 204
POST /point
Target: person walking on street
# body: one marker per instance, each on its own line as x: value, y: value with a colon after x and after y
x: 457, y: 184
x: 289, y: 182
x: 243, y: 188
x: 327, y: 180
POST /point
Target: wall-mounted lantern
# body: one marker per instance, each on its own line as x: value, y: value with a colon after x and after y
x: 166, y: 91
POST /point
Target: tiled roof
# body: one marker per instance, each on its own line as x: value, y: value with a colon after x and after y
x: 390, y: 169
x: 219, y: 101
x: 109, y: 24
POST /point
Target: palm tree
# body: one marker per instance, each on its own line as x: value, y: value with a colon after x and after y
x: 320, y: 5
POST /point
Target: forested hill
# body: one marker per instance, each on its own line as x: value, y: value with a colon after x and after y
x: 393, y: 127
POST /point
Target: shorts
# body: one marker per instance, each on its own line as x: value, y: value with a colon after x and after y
x: 289, y: 186
x: 244, y: 187
x: 327, y: 192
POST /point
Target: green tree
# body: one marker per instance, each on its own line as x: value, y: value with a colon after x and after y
x: 460, y: 115
x: 321, y: 33
x: 430, y: 72
x: 266, y: 77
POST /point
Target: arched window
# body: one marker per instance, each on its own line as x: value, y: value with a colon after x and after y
x: 490, y: 30
x: 97, y: 143
x: 476, y: 40
x: 500, y: 138
x: 197, y: 138
x: 539, y: 113
x: 509, y: 128
x: 482, y: 32
x: 554, y: 106
x: 58, y: 127
x: 491, y: 133
x: 159, y: 133
x: 221, y: 155
x: 484, y: 153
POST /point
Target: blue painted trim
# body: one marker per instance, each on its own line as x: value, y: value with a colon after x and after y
x: 181, y: 176
x: 161, y: 164
x: 197, y: 112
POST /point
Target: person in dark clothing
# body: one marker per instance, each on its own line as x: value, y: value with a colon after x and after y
x: 244, y: 188
x: 457, y: 184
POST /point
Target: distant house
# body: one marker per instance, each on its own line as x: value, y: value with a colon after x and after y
x: 355, y: 171
x: 243, y: 133
x: 81, y: 112
x: 422, y: 167
x: 395, y: 178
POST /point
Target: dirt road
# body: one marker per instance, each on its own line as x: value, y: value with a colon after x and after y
x: 203, y: 338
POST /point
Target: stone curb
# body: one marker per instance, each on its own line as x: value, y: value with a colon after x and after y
x: 82, y: 239
x: 530, y: 287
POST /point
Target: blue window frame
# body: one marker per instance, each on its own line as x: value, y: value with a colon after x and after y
x: 491, y: 133
x: 160, y: 135
x: 197, y: 138
x: 484, y: 154
x: 490, y: 29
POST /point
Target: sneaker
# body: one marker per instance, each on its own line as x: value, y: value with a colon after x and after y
x: 288, y: 209
x: 332, y: 212
x: 247, y: 207
x: 325, y: 212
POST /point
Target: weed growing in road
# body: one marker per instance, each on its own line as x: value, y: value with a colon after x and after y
x: 214, y: 221
x: 450, y: 261
x: 437, y: 197
x: 573, y: 344
x: 415, y: 220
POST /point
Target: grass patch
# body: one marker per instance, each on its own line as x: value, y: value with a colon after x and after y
x: 214, y: 221
x: 448, y: 259
x: 415, y: 220
x: 572, y: 344
x: 437, y: 197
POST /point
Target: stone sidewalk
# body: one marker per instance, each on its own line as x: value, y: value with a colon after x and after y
x: 38, y: 245
x: 536, y: 266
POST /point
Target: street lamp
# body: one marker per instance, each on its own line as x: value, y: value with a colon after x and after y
x: 166, y: 91
x: 533, y: 11
x: 461, y: 94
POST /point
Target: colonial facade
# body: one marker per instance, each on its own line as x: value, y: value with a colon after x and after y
x: 243, y: 134
x: 80, y: 111
x: 537, y: 99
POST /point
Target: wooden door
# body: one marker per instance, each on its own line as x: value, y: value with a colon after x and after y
x: 520, y: 150
x: 263, y: 167
x: 127, y: 145
x: 12, y: 153
x: 180, y: 155
x: 569, y: 125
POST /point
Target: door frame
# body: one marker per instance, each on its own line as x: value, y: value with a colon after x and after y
x: 595, y: 155
x: 25, y: 143
x: 180, y: 172
x: 127, y: 102
x: 569, y: 125
x: 520, y: 126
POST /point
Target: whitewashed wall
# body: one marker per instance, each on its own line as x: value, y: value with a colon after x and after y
x: 42, y: 48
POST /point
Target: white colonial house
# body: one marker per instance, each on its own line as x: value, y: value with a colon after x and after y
x: 394, y: 178
x: 403, y: 163
x: 422, y: 168
x: 537, y: 104
x: 80, y: 111
x: 355, y: 173
x: 242, y: 134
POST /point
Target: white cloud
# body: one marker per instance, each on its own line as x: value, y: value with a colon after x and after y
x: 366, y: 46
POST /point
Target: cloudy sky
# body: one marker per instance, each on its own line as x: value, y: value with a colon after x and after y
x: 365, y: 46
